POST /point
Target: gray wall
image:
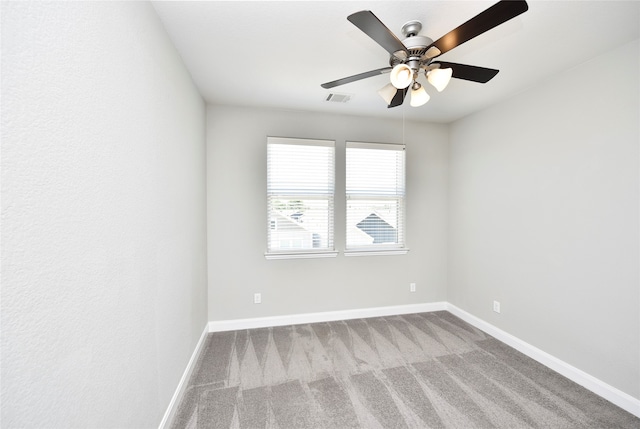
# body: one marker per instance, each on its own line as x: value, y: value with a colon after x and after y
x: 104, y: 258
x: 544, y: 216
x: 237, y: 219
x: 103, y: 216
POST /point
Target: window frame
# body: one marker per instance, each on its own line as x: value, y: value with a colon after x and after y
x: 399, y: 197
x: 288, y: 194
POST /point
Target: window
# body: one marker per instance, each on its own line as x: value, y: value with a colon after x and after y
x: 300, y: 194
x: 375, y: 194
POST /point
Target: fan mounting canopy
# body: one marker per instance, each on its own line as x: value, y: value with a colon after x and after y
x: 411, y: 28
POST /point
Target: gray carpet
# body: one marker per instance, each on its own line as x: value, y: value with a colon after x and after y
x: 427, y: 370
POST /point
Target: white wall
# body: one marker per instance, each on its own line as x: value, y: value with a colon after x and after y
x: 237, y: 219
x: 544, y: 195
x: 103, y: 216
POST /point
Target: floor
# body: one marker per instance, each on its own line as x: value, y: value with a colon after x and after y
x: 426, y: 370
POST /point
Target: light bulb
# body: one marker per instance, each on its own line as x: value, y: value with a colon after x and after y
x: 418, y: 95
x: 401, y: 76
x: 439, y: 78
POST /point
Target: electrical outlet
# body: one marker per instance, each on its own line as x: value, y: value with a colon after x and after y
x: 412, y: 287
x: 496, y: 306
x: 257, y: 298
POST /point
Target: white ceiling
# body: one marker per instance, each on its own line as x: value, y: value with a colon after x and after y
x: 276, y: 54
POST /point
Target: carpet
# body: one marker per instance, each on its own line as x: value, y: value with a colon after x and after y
x: 426, y: 370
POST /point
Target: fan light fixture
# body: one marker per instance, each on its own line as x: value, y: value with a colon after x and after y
x: 415, y: 54
x: 418, y: 95
x: 387, y: 92
x: 401, y: 76
x: 439, y: 78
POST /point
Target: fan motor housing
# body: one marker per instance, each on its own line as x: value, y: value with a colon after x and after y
x: 417, y: 47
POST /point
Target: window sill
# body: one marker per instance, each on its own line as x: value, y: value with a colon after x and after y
x: 379, y: 252
x: 301, y: 255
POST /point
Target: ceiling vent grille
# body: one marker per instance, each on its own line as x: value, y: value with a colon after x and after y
x: 338, y: 98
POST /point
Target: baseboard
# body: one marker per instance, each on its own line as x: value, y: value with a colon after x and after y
x: 608, y: 392
x: 169, y: 415
x: 327, y: 316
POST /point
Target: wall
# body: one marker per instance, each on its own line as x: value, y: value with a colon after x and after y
x: 544, y: 217
x: 103, y: 215
x: 237, y: 219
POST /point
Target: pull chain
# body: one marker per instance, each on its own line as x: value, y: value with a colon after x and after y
x: 403, y: 109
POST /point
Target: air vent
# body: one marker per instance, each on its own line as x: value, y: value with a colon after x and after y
x: 338, y: 98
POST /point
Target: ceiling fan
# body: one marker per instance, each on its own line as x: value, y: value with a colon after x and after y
x: 417, y: 54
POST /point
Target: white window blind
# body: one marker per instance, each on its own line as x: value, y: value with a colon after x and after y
x: 300, y: 195
x: 375, y: 191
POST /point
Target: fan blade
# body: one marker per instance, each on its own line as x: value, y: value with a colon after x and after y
x: 366, y: 21
x: 497, y: 14
x: 355, y: 77
x: 398, y: 99
x: 466, y: 72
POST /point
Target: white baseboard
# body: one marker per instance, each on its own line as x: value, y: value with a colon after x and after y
x: 610, y: 393
x: 327, y: 316
x: 169, y: 415
x: 606, y: 391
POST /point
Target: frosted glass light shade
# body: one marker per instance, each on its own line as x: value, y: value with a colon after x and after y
x: 418, y: 95
x: 439, y: 78
x: 387, y: 92
x: 401, y: 76
x: 432, y: 52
